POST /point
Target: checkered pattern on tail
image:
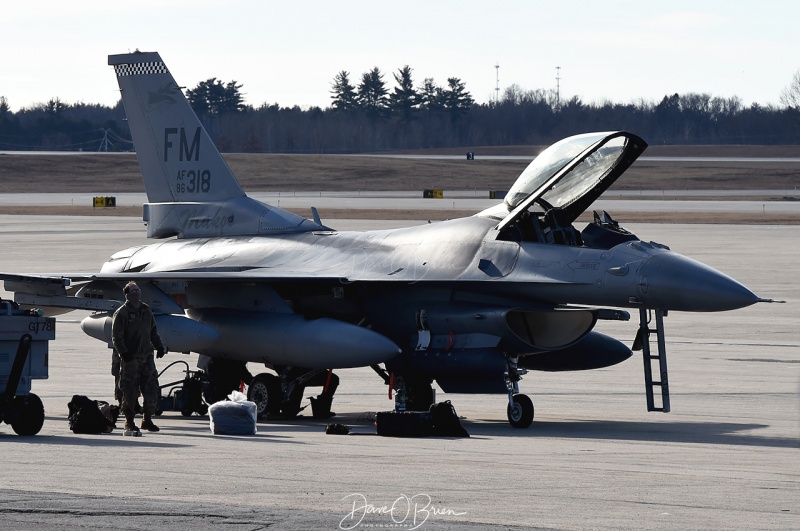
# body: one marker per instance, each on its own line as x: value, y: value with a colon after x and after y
x: 139, y: 69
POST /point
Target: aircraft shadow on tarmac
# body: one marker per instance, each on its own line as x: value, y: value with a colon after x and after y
x: 725, y: 433
x: 719, y: 433
x: 104, y: 439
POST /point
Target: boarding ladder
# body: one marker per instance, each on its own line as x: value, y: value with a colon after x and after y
x: 643, y: 341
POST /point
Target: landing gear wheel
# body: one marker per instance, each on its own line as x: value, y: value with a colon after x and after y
x: 265, y: 391
x: 520, y: 415
x: 28, y: 414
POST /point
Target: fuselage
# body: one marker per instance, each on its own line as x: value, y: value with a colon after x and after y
x: 450, y: 297
x: 464, y: 252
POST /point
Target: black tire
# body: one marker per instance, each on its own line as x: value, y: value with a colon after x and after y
x: 521, y: 415
x: 187, y: 411
x: 265, y: 391
x: 28, y: 415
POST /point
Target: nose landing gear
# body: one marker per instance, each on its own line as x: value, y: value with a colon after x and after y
x: 520, y: 411
x: 520, y: 407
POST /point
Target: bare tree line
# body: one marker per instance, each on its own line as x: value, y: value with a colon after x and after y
x: 369, y: 116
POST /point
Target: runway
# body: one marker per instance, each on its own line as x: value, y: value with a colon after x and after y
x: 689, y: 201
x: 726, y: 457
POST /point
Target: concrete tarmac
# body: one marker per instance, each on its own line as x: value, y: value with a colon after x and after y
x: 726, y: 457
x: 616, y: 202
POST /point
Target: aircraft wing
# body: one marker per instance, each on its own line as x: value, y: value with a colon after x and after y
x: 54, y: 291
x: 59, y: 290
x: 62, y: 283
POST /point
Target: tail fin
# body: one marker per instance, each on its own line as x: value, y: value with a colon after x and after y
x: 190, y: 188
x: 178, y: 159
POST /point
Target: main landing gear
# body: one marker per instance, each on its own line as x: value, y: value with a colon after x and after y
x: 280, y: 397
x: 520, y: 407
x: 411, y: 393
x: 265, y: 391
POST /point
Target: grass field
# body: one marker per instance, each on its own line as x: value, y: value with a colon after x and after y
x: 112, y: 173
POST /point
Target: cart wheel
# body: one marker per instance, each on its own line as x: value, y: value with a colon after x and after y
x: 202, y: 410
x: 28, y: 414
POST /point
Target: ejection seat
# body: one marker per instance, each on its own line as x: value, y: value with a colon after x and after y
x: 559, y: 230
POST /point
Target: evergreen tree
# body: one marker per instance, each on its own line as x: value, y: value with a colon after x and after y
x: 403, y: 100
x: 431, y: 96
x: 54, y: 107
x: 233, y: 100
x: 456, y: 99
x: 343, y: 93
x: 214, y: 97
x: 372, y: 99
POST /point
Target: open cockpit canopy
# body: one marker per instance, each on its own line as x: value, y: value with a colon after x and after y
x: 570, y: 175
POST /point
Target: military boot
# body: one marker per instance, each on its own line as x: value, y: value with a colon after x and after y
x: 130, y: 429
x: 147, y: 424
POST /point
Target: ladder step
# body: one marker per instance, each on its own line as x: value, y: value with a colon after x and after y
x: 650, y: 354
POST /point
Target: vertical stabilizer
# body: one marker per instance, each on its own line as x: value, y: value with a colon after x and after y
x: 179, y: 161
x: 190, y: 188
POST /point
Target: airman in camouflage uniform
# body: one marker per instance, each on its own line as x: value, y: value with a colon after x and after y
x: 134, y: 335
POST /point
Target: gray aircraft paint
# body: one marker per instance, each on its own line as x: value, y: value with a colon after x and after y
x: 467, y: 302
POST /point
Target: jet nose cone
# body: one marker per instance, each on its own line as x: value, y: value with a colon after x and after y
x: 670, y: 281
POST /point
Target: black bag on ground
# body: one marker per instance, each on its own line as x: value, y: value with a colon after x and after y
x: 403, y: 424
x: 85, y: 416
x: 109, y: 411
x: 445, y: 421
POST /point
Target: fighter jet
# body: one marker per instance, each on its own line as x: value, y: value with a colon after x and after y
x: 471, y: 304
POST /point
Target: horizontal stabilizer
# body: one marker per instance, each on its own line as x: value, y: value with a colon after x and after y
x: 242, y: 216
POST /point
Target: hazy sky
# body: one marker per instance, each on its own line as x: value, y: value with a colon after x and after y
x: 288, y: 52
